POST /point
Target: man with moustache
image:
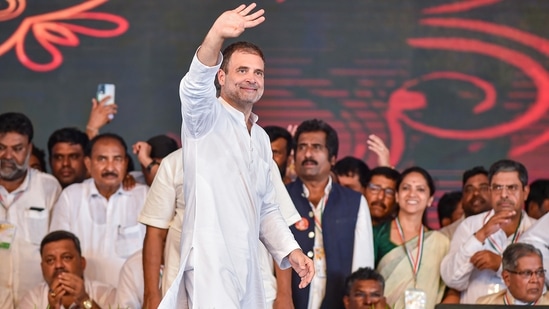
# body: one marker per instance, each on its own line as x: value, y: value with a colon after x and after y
x: 335, y: 228
x: 100, y: 212
x: 63, y: 271
x: 380, y: 194
x: 473, y: 265
x: 66, y: 151
x: 524, y: 276
x: 475, y: 197
x: 26, y: 200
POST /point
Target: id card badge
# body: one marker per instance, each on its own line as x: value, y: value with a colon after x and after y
x: 415, y: 299
x: 7, y: 235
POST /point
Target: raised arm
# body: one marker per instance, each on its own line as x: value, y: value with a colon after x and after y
x: 230, y: 24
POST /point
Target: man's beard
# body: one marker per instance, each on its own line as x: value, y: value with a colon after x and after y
x: 17, y: 172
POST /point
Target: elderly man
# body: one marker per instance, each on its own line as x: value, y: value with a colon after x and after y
x: 524, y: 276
x: 101, y: 212
x: 26, y: 199
x: 63, y: 271
x: 473, y: 264
x: 364, y: 290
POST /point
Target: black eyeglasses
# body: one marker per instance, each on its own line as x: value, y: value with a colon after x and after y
x: 527, y: 274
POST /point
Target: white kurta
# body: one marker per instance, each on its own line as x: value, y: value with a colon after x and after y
x: 459, y: 273
x: 108, y: 229
x: 29, y: 209
x: 229, y: 202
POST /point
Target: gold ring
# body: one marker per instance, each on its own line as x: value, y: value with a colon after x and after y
x: 52, y: 294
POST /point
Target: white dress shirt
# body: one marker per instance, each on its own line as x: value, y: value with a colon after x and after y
x: 108, y: 229
x: 28, y: 208
x: 363, y: 248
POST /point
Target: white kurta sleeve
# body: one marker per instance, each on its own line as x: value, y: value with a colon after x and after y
x: 273, y: 230
x: 159, y: 208
x: 456, y: 267
x: 282, y: 197
x: 197, y: 92
x: 363, y: 249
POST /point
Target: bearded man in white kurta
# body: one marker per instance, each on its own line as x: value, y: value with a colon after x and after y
x: 228, y: 191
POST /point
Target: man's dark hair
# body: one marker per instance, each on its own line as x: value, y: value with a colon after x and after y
x: 473, y: 172
x: 106, y: 136
x: 509, y: 166
x: 539, y: 192
x: 276, y: 132
x: 448, y: 204
x: 315, y: 125
x: 514, y: 252
x: 40, y: 155
x: 60, y: 235
x: 363, y: 273
x: 71, y: 136
x: 18, y: 123
x: 350, y: 166
x: 241, y: 46
x: 387, y: 172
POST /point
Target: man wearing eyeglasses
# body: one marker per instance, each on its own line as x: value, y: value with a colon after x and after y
x: 380, y: 194
x: 524, y: 277
x: 334, y: 230
x: 473, y: 265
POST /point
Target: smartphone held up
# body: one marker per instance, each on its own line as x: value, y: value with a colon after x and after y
x: 104, y: 90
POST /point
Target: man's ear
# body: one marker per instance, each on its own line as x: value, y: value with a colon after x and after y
x: 506, y: 277
x: 346, y: 301
x: 83, y: 262
x: 221, y: 77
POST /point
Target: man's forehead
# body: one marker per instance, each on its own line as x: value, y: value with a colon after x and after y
x: 59, y: 246
x: 370, y: 284
x: 66, y: 147
x: 13, y: 138
x: 109, y: 145
x: 384, y: 179
x: 246, y: 59
x: 478, y: 178
x: 505, y: 176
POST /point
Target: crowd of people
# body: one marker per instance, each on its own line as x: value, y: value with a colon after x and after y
x: 247, y: 217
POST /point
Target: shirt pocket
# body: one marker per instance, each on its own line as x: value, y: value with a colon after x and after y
x: 36, y: 221
x: 129, y: 239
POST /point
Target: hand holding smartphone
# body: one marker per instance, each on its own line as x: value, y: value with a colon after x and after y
x: 104, y: 90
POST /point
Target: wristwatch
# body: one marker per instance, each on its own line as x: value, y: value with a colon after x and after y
x: 153, y: 163
x: 87, y: 304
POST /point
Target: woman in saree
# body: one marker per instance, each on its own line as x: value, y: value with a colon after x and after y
x: 407, y: 253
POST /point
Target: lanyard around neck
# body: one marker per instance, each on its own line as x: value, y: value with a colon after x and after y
x: 493, y: 242
x: 417, y: 262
